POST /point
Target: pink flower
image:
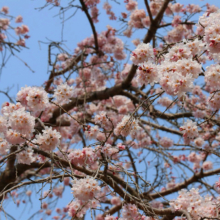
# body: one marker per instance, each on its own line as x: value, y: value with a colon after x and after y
x: 48, y: 140
x: 217, y: 183
x: 191, y: 8
x: 22, y: 30
x: 3, y: 124
x: 28, y: 193
x: 212, y: 76
x: 131, y: 5
x: 207, y: 165
x: 115, y: 200
x: 143, y: 53
x: 171, y: 185
x: 130, y: 211
x: 63, y: 93
x: 66, y: 181
x: 48, y: 212
x: 4, y: 146
x: 91, y: 2
x: 166, y: 142
x: 199, y: 142
x: 176, y: 20
x: 127, y: 125
x: 155, y: 7
x: 44, y: 205
x: 124, y: 15
x: 213, y: 100
x: 58, y: 191
x: 194, y: 158
x: 14, y: 137
x: 146, y: 21
x: 120, y: 146
x: 128, y: 32
x: 62, y: 56
x: 5, y: 9
x: 26, y: 156
x: 85, y: 189
x: 4, y: 23
x: 22, y: 122
x: 166, y: 102
x: 19, y: 19
x: 33, y: 98
x: 21, y: 42
x: 99, y: 217
x: 136, y: 18
x: 147, y: 74
x: 177, y: 7
x: 136, y: 42
x: 190, y: 129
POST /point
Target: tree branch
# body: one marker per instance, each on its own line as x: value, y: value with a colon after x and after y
x: 92, y: 25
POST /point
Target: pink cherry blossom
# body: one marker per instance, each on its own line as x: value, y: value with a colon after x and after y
x: 85, y: 189
x: 49, y: 140
x: 143, y: 53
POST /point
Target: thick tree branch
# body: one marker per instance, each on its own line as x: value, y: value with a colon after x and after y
x: 92, y: 25
x: 148, y: 10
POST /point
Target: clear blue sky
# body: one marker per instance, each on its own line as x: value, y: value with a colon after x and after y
x: 45, y: 25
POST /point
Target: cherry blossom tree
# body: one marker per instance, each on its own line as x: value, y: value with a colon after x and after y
x: 131, y: 134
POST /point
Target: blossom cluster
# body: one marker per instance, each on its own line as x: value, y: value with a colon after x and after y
x: 85, y: 189
x: 5, y: 26
x: 195, y: 204
x: 127, y: 125
x: 175, y: 74
x: 210, y: 30
x: 143, y: 53
x: 78, y: 208
x: 108, y: 43
x: 63, y: 93
x: 16, y: 124
x: 212, y: 76
x: 166, y: 142
x: 103, y: 120
x: 86, y: 156
x: 190, y: 130
x: 109, y: 151
x: 26, y: 157
x: 109, y: 12
x: 48, y: 140
x: 33, y: 98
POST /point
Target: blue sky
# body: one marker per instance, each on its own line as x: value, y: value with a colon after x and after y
x: 45, y: 24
